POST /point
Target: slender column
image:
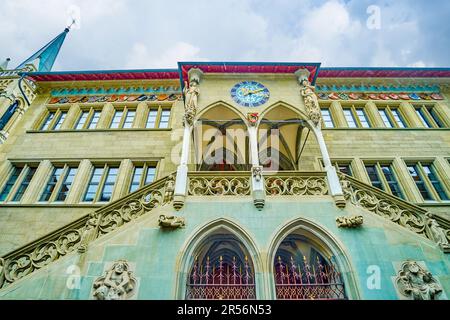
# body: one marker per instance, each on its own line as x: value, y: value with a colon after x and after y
x: 443, y: 170
x: 405, y: 180
x: 338, y: 115
x: 359, y: 171
x: 80, y: 182
x: 374, y: 115
x: 122, y: 184
x: 410, y: 115
x: 37, y: 183
x: 443, y: 111
x: 258, y: 190
x: 140, y: 115
x: 72, y: 117
x: 106, y: 116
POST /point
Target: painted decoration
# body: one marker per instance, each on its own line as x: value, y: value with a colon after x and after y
x: 114, y: 98
x: 250, y: 93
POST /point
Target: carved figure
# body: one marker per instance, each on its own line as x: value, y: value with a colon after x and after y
x: 117, y: 284
x: 88, y: 233
x: 438, y: 234
x: 257, y: 173
x: 169, y: 188
x: 349, y: 222
x: 310, y: 100
x: 253, y: 118
x: 417, y: 283
x: 191, y: 94
x: 171, y: 222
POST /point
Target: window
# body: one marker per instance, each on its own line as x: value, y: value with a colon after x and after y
x: 10, y: 183
x: 356, y: 117
x: 158, y: 118
x: 362, y: 118
x: 101, y: 184
x: 427, y: 181
x: 327, y: 119
x: 382, y: 176
x: 414, y: 172
x: 24, y: 183
x: 61, y: 118
x: 391, y: 117
x: 350, y: 119
x: 82, y: 120
x: 94, y: 120
x: 58, y: 186
x: 46, y: 124
x: 428, y: 116
x: 142, y: 176
x: 343, y: 167
x: 123, y: 119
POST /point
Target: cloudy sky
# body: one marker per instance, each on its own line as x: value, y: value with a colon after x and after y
x: 123, y: 34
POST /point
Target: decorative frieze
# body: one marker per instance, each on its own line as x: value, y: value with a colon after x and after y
x: 115, y: 98
x: 118, y: 283
x: 380, y: 96
x: 295, y: 185
x: 101, y: 91
x: 417, y: 283
x: 223, y: 185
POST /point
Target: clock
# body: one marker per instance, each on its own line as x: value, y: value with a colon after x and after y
x: 250, y: 93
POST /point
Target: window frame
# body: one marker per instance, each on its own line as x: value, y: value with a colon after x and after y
x: 124, y: 110
x: 382, y: 178
x: 101, y: 184
x: 159, y: 109
x: 353, y: 110
x: 145, y: 166
x: 426, y: 111
x: 427, y: 182
x: 54, y: 121
x: 328, y: 110
x: 59, y: 183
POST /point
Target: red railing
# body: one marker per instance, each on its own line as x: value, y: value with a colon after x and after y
x: 221, y: 280
x: 306, y: 282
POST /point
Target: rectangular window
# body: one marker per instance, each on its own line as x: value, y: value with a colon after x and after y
x: 82, y: 120
x: 327, y: 119
x: 24, y: 184
x: 142, y: 176
x: 350, y: 119
x: 362, y: 118
x: 46, y: 124
x: 129, y: 119
x: 435, y: 117
x: 94, y: 183
x: 398, y: 118
x: 115, y: 123
x: 94, y: 120
x: 60, y: 121
x: 414, y: 172
x: 374, y: 177
x: 422, y: 117
x: 66, y: 184
x: 108, y: 186
x: 10, y: 183
x: 431, y: 175
x: 385, y: 117
x: 51, y: 184
x: 151, y: 119
x: 164, y: 121
x: 391, y: 181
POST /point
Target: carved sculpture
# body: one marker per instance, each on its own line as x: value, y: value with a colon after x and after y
x: 349, y: 222
x: 311, y: 101
x: 88, y: 233
x: 438, y: 234
x: 191, y: 94
x: 169, y: 189
x: 253, y: 118
x: 417, y: 283
x: 257, y: 173
x: 171, y: 222
x: 2, y: 274
x: 117, y: 284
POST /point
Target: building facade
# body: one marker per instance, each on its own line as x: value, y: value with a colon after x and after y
x: 224, y: 181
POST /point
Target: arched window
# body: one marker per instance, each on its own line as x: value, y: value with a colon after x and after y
x: 222, y: 269
x: 8, y: 114
x: 305, y: 270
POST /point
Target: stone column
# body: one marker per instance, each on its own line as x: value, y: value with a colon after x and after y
x: 338, y: 115
x: 191, y: 95
x: 122, y: 183
x: 374, y: 115
x: 359, y: 170
x: 80, y: 182
x: 38, y: 182
x: 140, y: 120
x: 443, y: 111
x: 443, y: 169
x: 408, y: 185
x: 106, y: 116
x: 313, y: 111
x: 410, y: 115
x: 258, y: 190
x: 72, y: 117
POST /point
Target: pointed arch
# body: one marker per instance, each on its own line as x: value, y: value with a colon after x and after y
x: 324, y: 241
x: 222, y: 104
x: 201, y: 235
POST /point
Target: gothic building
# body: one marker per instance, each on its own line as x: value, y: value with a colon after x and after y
x: 224, y: 180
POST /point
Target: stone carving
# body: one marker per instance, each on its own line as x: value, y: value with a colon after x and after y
x: 79, y: 233
x: 2, y: 273
x: 253, y: 118
x: 191, y: 94
x: 257, y: 173
x: 415, y: 282
x: 89, y: 233
x: 224, y: 185
x: 169, y: 188
x: 438, y: 234
x: 292, y: 185
x: 311, y: 101
x: 349, y: 222
x: 118, y: 283
x: 171, y: 222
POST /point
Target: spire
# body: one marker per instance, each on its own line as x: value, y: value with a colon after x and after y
x: 45, y: 57
x: 4, y: 65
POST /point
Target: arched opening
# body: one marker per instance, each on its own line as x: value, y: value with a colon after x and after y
x: 222, y: 268
x: 306, y: 267
x: 281, y: 138
x: 221, y: 140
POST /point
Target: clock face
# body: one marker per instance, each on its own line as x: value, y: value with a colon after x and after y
x: 250, y: 93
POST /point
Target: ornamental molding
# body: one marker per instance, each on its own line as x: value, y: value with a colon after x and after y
x: 226, y: 185
x: 171, y: 222
x: 114, y: 90
x: 310, y: 100
x: 295, y: 184
x: 349, y: 221
x: 118, y: 283
x: 416, y: 282
x: 115, y: 98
